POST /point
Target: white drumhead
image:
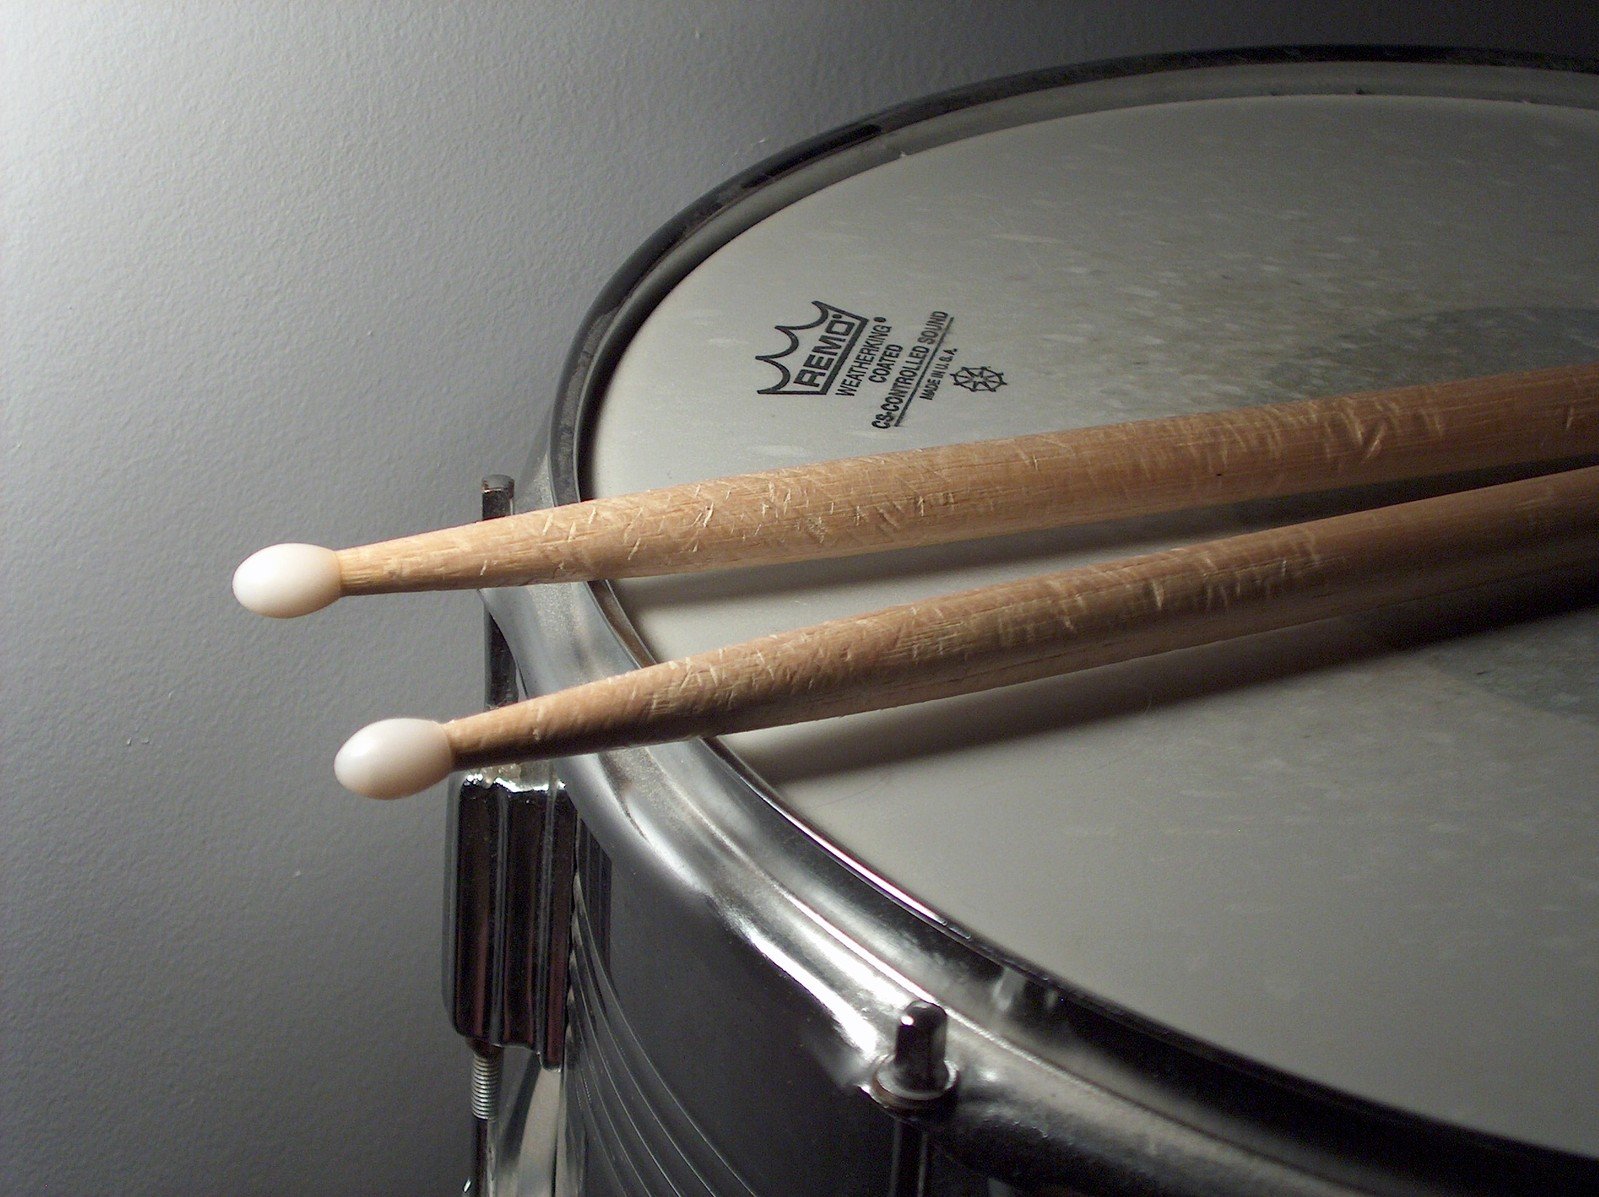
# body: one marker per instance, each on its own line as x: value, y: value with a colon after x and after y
x: 1365, y: 852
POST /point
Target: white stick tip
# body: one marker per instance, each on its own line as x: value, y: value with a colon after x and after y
x: 288, y: 580
x: 394, y: 758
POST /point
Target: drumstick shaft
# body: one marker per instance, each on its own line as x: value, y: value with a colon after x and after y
x: 1058, y: 623
x: 958, y: 492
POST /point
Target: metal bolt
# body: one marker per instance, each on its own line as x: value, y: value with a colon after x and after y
x: 485, y: 1082
x: 916, y: 1076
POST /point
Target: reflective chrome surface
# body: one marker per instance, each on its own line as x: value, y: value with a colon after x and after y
x: 508, y: 903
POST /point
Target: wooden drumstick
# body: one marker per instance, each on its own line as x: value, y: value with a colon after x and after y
x: 959, y: 492
x: 1019, y: 631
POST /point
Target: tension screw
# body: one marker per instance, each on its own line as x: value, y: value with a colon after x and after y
x: 916, y: 1077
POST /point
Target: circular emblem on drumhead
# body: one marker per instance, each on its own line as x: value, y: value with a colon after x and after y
x: 978, y: 378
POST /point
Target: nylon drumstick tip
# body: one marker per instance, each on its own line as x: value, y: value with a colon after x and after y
x: 394, y: 758
x: 287, y: 580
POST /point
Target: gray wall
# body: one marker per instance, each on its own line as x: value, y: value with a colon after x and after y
x: 307, y: 271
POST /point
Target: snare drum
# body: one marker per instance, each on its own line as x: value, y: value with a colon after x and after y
x: 1312, y: 912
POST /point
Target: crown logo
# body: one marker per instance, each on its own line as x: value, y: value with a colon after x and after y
x: 816, y: 352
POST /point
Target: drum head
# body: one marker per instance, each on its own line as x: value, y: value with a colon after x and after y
x: 1365, y: 852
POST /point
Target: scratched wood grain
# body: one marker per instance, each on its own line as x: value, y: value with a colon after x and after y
x: 1076, y: 619
x: 958, y: 492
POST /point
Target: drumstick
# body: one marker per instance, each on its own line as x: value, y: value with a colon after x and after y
x: 1019, y: 631
x: 959, y: 492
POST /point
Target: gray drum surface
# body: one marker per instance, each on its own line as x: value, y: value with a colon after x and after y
x: 1366, y: 852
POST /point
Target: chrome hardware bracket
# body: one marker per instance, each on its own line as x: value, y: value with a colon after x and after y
x: 512, y: 850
